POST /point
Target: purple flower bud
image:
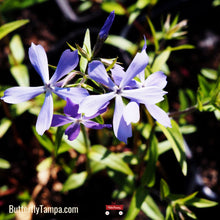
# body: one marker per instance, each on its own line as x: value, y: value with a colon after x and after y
x: 103, y: 34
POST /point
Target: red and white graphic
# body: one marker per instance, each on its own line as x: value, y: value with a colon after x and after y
x: 114, y: 206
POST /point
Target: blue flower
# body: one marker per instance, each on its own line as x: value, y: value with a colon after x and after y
x: 37, y: 55
x: 103, y: 34
x: 125, y: 86
x: 75, y: 119
x: 121, y: 87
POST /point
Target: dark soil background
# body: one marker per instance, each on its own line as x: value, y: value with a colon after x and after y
x: 49, y: 27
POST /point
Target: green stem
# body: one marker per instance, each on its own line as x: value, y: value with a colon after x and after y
x: 87, y: 144
x: 186, y: 111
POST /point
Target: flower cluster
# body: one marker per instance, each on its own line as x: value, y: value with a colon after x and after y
x: 82, y: 107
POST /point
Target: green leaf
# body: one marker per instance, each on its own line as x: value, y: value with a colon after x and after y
x: 74, y: 181
x: 183, y: 100
x: 122, y: 43
x: 11, y: 26
x: 188, y: 129
x: 148, y: 178
x: 125, y: 183
x: 164, y: 189
x: 87, y: 48
x: 20, y: 108
x: 163, y: 147
x: 4, y: 126
x: 71, y: 47
x: 44, y: 141
x: 137, y: 200
x: 17, y: 49
x: 182, y: 47
x: 110, y: 6
x: 108, y: 158
x: 84, y: 6
x: 78, y: 144
x: 205, y: 86
x: 169, y: 213
x: 210, y: 73
x: 160, y: 60
x: 20, y: 74
x: 44, y: 164
x: 96, y: 166
x: 153, y: 31
x: 4, y: 164
x: 141, y: 4
x: 150, y: 208
x: 176, y: 140
x: 58, y: 138
x: 133, y: 16
x: 200, y: 203
x: 9, y: 5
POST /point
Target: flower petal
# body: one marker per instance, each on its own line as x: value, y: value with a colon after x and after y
x: 95, y: 125
x: 45, y: 116
x: 159, y: 115
x: 150, y: 95
x: 157, y: 79
x: 71, y: 109
x: 93, y: 103
x: 117, y: 73
x: 38, y: 58
x: 76, y: 95
x: 131, y: 113
x: 60, y: 120
x: 99, y: 112
x: 20, y: 94
x: 138, y: 65
x: 97, y: 72
x: 121, y: 130
x: 73, y: 131
x: 68, y: 61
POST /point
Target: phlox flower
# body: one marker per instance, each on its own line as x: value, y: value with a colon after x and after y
x: 74, y: 118
x: 37, y: 55
x: 123, y: 85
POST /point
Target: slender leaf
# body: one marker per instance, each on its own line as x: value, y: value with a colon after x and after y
x: 150, y: 208
x: 58, y: 138
x: 122, y: 43
x: 8, y: 5
x: 87, y: 48
x: 164, y: 189
x: 78, y: 144
x: 11, y: 26
x: 20, y: 74
x: 160, y: 60
x: 4, y: 164
x: 176, y: 140
x: 200, y: 203
x: 111, y: 160
x: 137, y: 200
x: 17, y: 49
x: 169, y: 213
x: 148, y: 177
x: 110, y: 6
x: 4, y: 126
x: 153, y: 31
x: 182, y: 47
x: 210, y: 73
x: 44, y: 141
x: 74, y: 181
x: 44, y: 164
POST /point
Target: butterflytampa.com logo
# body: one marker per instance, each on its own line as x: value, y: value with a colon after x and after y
x: 41, y: 209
